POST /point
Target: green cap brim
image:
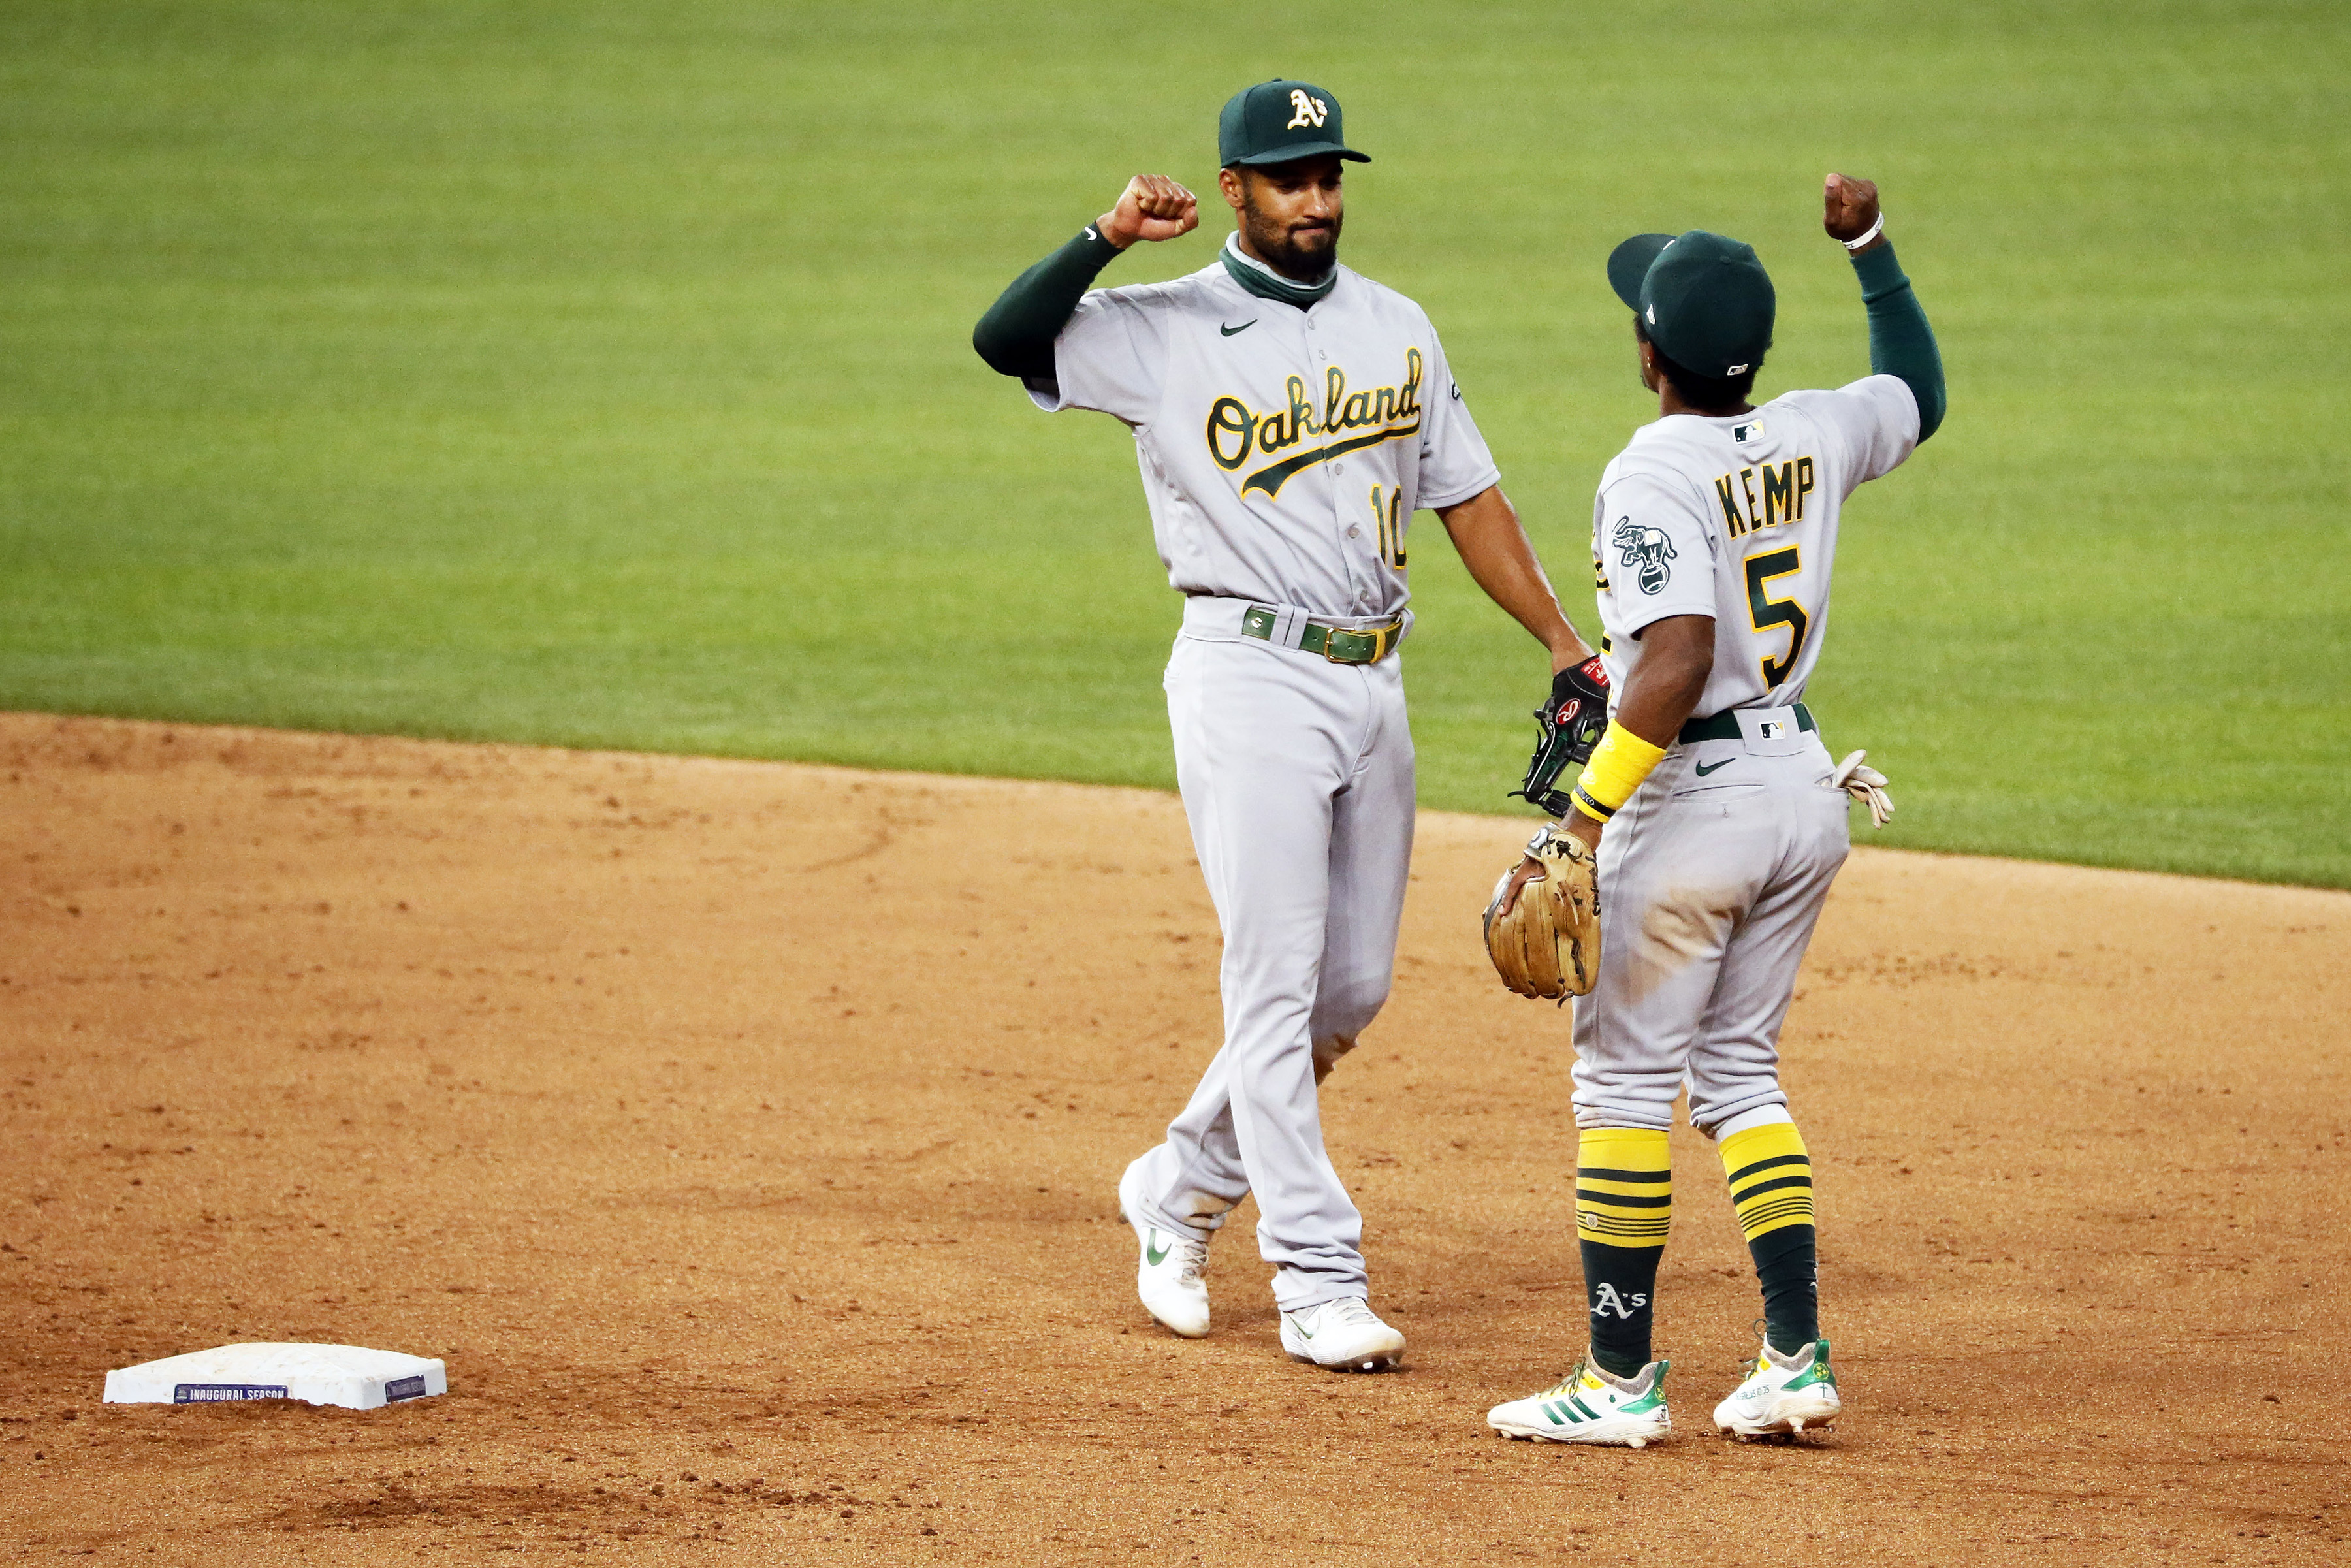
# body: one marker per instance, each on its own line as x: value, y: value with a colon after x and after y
x: 1298, y: 150
x: 1629, y: 263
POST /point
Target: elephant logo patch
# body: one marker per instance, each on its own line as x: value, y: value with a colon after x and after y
x: 1647, y: 548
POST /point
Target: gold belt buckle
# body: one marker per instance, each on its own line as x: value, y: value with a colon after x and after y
x: 1380, y: 636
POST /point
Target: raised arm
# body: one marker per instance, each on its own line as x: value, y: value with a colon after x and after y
x: 1900, y: 342
x: 1016, y: 337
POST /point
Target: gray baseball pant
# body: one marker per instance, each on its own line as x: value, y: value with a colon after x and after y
x: 1711, y: 882
x: 1297, y: 776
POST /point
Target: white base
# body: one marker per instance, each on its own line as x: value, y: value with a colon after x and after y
x: 346, y: 1375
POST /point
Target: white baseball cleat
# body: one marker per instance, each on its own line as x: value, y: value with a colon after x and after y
x: 1344, y: 1336
x: 1589, y: 1406
x: 1167, y: 1278
x: 1782, y: 1393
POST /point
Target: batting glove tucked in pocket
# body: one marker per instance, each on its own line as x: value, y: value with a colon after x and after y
x: 1864, y: 783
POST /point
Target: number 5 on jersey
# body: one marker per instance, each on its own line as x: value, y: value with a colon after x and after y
x: 1763, y: 610
x: 1387, y: 517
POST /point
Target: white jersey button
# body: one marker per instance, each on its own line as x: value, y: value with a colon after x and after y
x: 1354, y: 533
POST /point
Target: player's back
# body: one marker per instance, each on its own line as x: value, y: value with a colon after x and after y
x: 1736, y: 517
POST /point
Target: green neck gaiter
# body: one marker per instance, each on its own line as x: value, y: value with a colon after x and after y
x: 1267, y: 283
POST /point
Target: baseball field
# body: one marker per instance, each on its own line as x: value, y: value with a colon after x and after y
x: 585, y: 790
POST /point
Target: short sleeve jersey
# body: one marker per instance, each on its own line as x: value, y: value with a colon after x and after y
x: 1736, y: 517
x: 1283, y: 450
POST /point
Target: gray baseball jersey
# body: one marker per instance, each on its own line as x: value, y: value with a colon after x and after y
x: 1736, y: 517
x: 1283, y: 451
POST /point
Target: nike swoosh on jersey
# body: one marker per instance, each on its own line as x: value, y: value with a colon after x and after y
x: 1702, y: 769
x: 1244, y: 327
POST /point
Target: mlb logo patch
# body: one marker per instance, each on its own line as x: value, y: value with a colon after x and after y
x: 1748, y: 434
x: 1771, y: 729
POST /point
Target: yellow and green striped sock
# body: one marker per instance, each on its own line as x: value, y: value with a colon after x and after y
x: 1772, y: 1188
x: 1624, y: 1211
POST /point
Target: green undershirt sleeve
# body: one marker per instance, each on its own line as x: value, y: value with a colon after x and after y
x: 1900, y: 342
x: 1016, y: 337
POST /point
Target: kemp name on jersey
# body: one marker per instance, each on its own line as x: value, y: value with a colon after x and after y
x: 1787, y: 484
x: 1736, y: 517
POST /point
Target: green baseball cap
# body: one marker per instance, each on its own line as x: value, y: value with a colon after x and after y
x: 1704, y: 299
x: 1276, y: 121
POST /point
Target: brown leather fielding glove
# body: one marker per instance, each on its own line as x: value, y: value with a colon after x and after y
x: 1547, y: 944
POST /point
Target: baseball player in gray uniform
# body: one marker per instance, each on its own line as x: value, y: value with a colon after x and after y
x: 1289, y: 417
x: 1718, y: 814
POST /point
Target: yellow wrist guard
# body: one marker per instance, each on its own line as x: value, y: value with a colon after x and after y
x: 1618, y: 764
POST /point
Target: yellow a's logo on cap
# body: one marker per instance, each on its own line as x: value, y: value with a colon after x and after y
x: 1305, y: 110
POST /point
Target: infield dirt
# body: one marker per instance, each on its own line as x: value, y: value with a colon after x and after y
x: 743, y: 1137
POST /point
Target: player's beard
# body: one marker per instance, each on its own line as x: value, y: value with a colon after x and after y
x: 1278, y: 245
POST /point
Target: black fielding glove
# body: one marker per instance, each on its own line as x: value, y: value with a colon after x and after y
x: 1566, y: 729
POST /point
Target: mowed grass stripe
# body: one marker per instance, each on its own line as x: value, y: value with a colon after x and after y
x: 598, y: 375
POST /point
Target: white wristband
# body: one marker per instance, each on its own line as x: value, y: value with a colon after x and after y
x: 1874, y: 230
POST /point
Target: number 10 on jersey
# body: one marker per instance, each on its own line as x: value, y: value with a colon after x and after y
x: 1387, y: 517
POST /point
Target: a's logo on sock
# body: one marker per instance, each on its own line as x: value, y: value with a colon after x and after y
x: 1607, y: 1300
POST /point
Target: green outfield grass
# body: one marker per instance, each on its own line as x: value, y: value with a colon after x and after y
x: 599, y: 375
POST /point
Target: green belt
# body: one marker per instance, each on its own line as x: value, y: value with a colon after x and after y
x: 1724, y: 726
x: 1338, y: 644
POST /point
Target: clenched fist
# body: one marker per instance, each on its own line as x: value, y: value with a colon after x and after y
x: 1153, y: 207
x: 1851, y: 207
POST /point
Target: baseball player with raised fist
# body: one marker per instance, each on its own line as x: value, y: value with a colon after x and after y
x: 1717, y: 813
x: 1289, y: 417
